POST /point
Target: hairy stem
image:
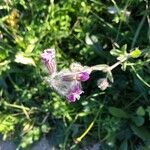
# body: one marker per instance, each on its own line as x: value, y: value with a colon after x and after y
x: 118, y: 63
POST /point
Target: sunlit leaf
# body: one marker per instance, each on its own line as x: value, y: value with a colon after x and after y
x: 140, y: 111
x: 20, y: 58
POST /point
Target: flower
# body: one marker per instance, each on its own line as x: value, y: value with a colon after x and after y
x: 71, y: 89
x: 48, y: 58
x: 65, y: 82
x: 74, y: 93
x: 83, y: 76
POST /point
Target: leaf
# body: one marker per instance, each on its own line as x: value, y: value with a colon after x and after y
x: 117, y: 112
x: 120, y: 53
x: 20, y: 58
x: 90, y: 40
x: 148, y: 110
x: 141, y: 132
x: 138, y: 120
x: 7, y: 124
x: 124, y: 49
x: 115, y: 52
x: 94, y: 43
x: 124, y: 66
x: 140, y: 111
x: 4, y: 66
x: 110, y: 76
x: 124, y: 145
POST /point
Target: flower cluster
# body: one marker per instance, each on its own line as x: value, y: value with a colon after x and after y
x: 66, y: 82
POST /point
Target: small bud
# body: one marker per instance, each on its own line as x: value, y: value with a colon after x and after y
x: 82, y: 76
x: 79, y: 76
x: 103, y: 84
x: 135, y: 53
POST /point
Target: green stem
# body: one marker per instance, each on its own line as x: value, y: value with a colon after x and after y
x: 140, y: 78
x: 79, y: 139
x: 16, y: 106
x: 67, y: 132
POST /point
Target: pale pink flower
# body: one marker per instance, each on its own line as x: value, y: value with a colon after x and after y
x: 65, y: 82
x: 74, y: 93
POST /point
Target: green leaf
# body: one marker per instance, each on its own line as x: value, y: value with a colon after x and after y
x: 141, y: 132
x: 124, y: 48
x: 135, y: 53
x: 115, y: 52
x: 117, y: 112
x: 7, y: 124
x: 147, y: 147
x: 124, y: 145
x: 45, y: 128
x: 120, y: 53
x: 138, y: 120
x: 140, y: 111
x: 148, y: 110
x: 124, y: 66
x: 110, y: 76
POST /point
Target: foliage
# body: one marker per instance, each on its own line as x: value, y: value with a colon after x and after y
x: 90, y: 32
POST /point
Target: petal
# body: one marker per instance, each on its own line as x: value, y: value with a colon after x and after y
x: 74, y: 92
x: 83, y: 76
x: 48, y: 55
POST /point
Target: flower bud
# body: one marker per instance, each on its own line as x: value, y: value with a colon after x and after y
x: 68, y: 76
x: 103, y: 84
x: 79, y: 76
x: 48, y: 58
x: 82, y: 76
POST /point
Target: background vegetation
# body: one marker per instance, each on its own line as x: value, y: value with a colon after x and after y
x: 80, y: 31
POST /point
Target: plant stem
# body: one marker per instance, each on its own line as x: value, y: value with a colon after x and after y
x: 118, y: 63
x: 106, y: 68
x: 16, y: 106
x: 79, y: 139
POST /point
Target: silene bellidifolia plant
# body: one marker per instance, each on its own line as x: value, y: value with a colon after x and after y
x: 68, y: 82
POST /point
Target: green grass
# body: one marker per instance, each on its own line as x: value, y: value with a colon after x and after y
x: 117, y: 118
